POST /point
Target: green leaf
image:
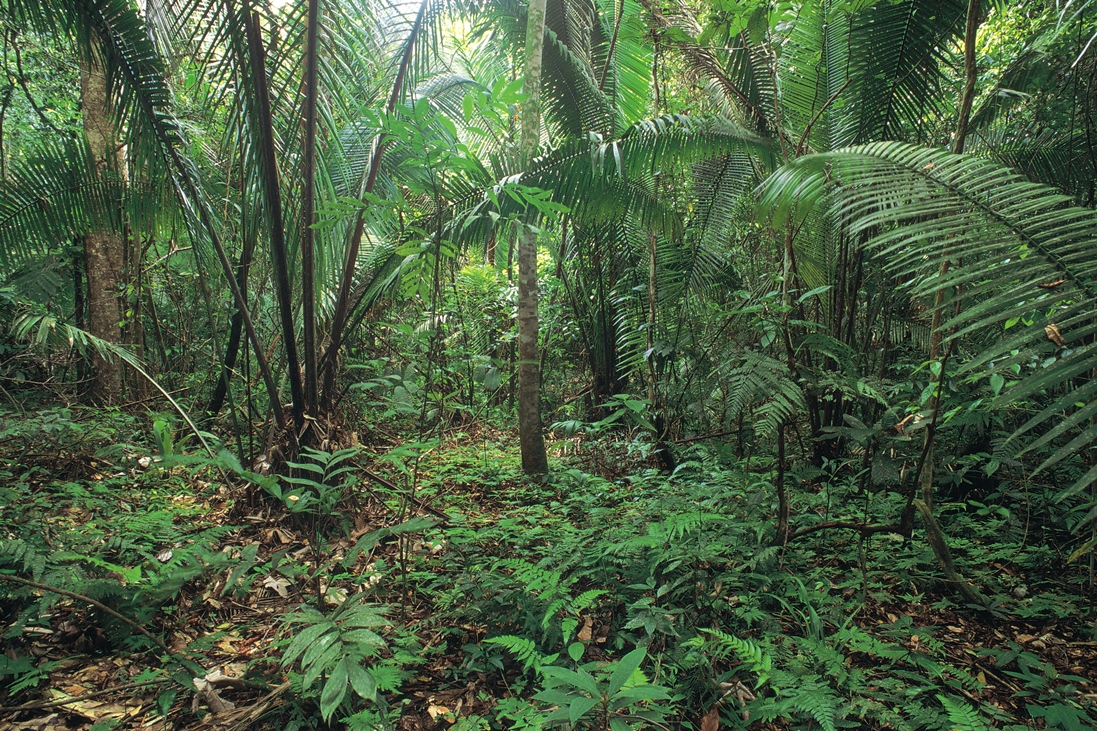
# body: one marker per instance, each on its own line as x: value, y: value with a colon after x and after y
x: 642, y: 693
x: 334, y: 690
x: 304, y: 640
x: 579, y: 708
x: 581, y: 680
x: 625, y: 668
x: 362, y: 681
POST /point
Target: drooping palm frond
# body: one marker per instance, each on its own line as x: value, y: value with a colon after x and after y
x: 875, y: 72
x: 45, y: 331
x: 1018, y: 250
x: 574, y: 105
x: 1045, y: 156
x: 621, y: 55
x: 53, y: 197
x: 599, y: 179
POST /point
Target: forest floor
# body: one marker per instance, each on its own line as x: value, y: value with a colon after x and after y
x: 628, y: 557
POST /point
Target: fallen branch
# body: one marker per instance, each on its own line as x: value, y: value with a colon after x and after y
x: 864, y: 529
x: 189, y: 665
x: 81, y: 697
x: 416, y: 501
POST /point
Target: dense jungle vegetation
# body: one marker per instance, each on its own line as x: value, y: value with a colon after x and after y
x: 581, y: 364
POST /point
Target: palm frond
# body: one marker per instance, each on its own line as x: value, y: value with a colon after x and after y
x: 53, y: 196
x: 1019, y: 250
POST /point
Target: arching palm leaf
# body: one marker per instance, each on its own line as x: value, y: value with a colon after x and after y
x: 1020, y: 249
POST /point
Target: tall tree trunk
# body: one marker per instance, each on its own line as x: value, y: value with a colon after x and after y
x: 102, y: 248
x: 308, y: 208
x: 534, y: 458
x: 236, y: 330
x: 971, y: 74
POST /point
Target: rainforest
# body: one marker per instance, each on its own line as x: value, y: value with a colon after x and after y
x: 417, y: 365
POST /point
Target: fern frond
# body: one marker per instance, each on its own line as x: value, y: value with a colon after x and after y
x: 962, y: 716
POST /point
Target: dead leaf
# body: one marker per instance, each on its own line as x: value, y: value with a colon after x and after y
x: 1054, y: 334
x: 435, y: 711
x: 1052, y: 285
x: 585, y: 633
x: 711, y: 720
x: 278, y: 584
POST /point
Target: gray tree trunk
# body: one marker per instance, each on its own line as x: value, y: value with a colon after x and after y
x: 530, y: 430
x: 102, y: 247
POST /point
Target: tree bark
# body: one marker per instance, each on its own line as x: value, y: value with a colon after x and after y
x: 102, y: 247
x: 534, y: 458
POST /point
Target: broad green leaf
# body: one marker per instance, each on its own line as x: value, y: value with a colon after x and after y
x: 362, y: 681
x: 334, y: 689
x: 625, y: 668
x: 579, y: 708
x: 581, y: 680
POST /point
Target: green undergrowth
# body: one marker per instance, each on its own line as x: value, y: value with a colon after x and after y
x: 655, y: 600
x: 829, y: 632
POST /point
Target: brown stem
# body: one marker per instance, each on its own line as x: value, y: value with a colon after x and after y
x: 864, y: 529
x: 350, y: 261
x: 272, y: 189
x: 308, y: 212
x: 937, y: 542
x: 82, y: 697
x: 970, y: 76
x: 612, y: 45
x: 99, y: 605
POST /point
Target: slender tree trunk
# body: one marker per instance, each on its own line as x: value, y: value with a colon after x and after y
x: 236, y: 330
x: 534, y: 458
x: 102, y: 248
x: 308, y: 208
x: 273, y: 191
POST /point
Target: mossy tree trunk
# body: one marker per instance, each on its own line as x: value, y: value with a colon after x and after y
x: 102, y: 246
x: 530, y: 428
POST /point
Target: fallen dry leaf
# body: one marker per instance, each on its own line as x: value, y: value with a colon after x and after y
x: 1054, y: 334
x: 278, y: 584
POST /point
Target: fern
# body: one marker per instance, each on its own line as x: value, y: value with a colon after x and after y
x: 816, y: 700
x: 723, y: 645
x: 962, y: 716
x: 524, y: 650
x: 766, y: 384
x: 20, y: 553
